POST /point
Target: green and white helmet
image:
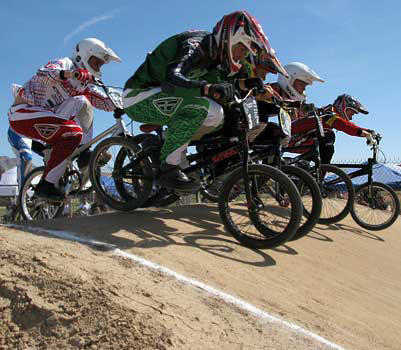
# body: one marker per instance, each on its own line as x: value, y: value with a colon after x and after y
x: 89, y: 47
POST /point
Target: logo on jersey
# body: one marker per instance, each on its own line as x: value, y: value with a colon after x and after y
x: 47, y: 131
x: 167, y: 105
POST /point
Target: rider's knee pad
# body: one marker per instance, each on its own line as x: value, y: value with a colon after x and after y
x: 215, y: 115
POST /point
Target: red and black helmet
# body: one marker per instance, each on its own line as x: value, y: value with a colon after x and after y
x: 241, y: 27
x: 344, y: 102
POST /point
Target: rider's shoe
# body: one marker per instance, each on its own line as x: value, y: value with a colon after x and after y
x: 171, y: 176
x: 47, y: 190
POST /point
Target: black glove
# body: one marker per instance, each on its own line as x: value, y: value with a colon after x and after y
x: 222, y: 92
x: 118, y: 112
x: 251, y: 83
x: 307, y: 107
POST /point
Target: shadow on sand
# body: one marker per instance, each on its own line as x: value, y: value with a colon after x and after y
x: 197, y: 226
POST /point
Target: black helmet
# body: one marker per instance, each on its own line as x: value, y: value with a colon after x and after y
x: 343, y: 102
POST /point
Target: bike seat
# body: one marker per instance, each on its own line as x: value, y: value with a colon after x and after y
x: 147, y: 128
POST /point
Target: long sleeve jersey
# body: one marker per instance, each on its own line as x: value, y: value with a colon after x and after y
x: 180, y: 65
x: 304, y: 130
x: 48, y: 90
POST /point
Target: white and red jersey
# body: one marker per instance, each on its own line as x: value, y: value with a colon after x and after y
x: 47, y: 90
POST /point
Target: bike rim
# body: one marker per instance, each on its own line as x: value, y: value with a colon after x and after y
x: 374, y: 206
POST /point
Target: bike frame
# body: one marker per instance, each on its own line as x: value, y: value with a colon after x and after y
x: 314, y: 150
x: 224, y: 144
x: 364, y: 169
x: 118, y: 128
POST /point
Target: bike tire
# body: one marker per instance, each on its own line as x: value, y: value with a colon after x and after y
x: 270, y: 238
x: 394, y: 213
x: 56, y: 210
x: 155, y: 199
x: 345, y: 205
x: 118, y: 198
x: 305, y: 182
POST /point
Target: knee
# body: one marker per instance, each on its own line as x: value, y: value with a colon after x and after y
x: 215, y: 115
x: 85, y: 111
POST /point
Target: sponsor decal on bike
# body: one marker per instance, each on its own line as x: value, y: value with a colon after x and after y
x: 224, y: 155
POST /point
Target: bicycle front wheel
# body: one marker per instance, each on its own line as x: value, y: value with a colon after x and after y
x: 278, y: 213
x: 33, y: 208
x: 376, y: 206
x: 124, y: 182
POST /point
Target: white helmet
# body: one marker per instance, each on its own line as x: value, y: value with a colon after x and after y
x: 300, y: 71
x: 89, y: 47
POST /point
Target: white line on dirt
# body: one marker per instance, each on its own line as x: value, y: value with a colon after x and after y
x: 213, y: 291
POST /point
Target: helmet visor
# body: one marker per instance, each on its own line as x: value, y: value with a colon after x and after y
x: 271, y: 63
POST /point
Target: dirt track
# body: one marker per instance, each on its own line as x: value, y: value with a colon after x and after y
x: 340, y: 281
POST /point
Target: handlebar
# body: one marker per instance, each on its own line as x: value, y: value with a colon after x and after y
x: 118, y: 112
x: 376, y: 138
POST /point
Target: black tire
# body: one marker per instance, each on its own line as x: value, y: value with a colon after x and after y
x: 310, y: 196
x: 267, y: 237
x: 146, y: 141
x: 337, y: 194
x: 380, y: 192
x: 127, y: 192
x: 160, y: 197
x: 33, y: 208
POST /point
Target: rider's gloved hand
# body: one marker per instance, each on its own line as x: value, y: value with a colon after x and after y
x: 221, y: 92
x: 251, y: 83
x: 370, y: 139
x: 83, y: 75
x: 118, y: 112
x: 307, y: 108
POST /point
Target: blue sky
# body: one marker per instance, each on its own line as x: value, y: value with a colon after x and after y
x: 353, y: 44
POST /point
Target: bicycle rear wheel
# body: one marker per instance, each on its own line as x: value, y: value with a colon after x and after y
x: 33, y: 208
x: 376, y: 206
x: 279, y: 207
x: 310, y: 196
x: 337, y: 194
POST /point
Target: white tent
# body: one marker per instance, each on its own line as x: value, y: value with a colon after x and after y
x: 8, y: 177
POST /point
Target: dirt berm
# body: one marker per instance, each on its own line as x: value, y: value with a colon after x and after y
x: 340, y: 282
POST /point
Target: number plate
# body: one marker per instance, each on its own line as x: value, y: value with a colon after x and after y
x: 285, y: 122
x: 251, y: 112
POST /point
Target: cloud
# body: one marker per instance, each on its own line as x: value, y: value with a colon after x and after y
x: 331, y: 11
x: 89, y: 23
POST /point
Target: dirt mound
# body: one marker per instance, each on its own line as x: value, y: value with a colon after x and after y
x: 340, y: 282
x: 57, y: 294
x: 45, y: 303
